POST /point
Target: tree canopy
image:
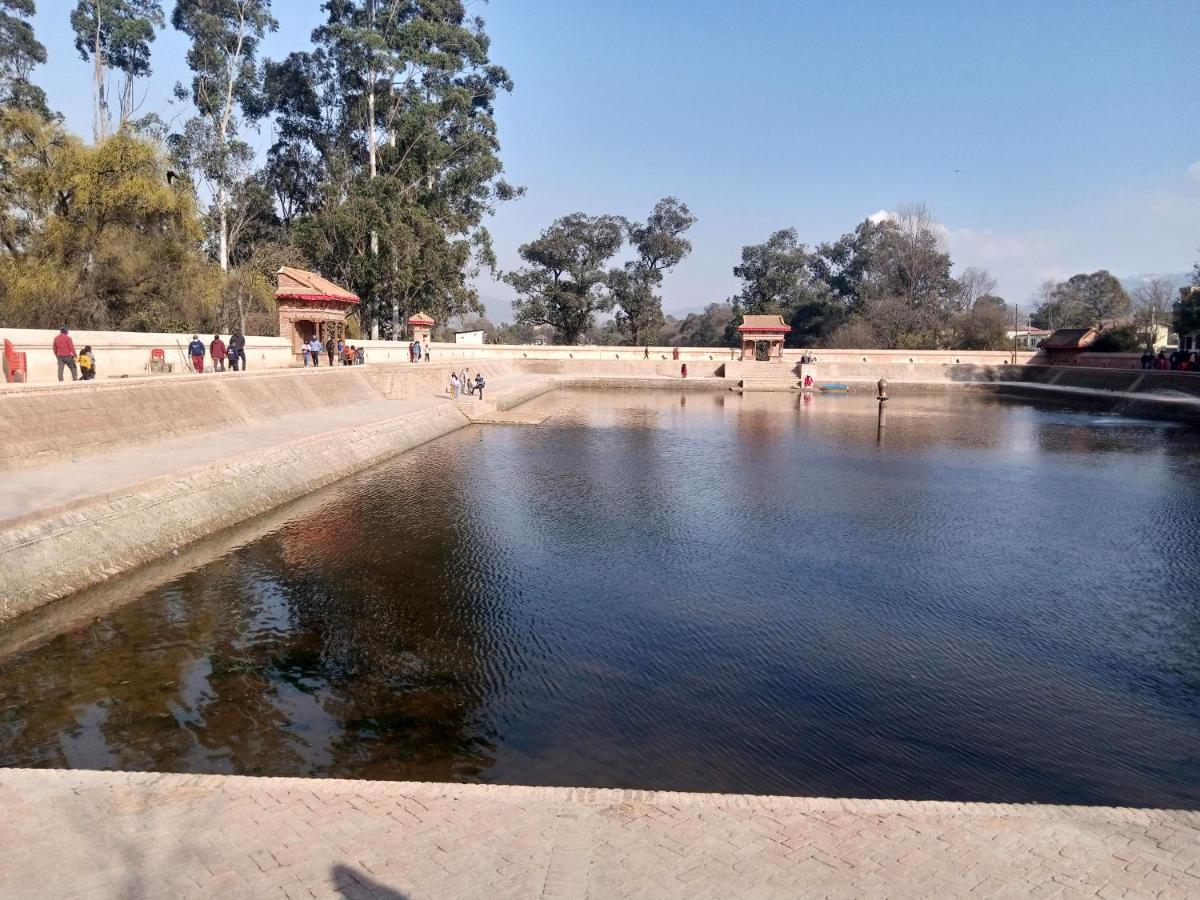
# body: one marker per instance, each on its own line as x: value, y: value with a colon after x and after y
x: 565, y: 281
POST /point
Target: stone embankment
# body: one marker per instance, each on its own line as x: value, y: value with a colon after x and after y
x: 111, y: 834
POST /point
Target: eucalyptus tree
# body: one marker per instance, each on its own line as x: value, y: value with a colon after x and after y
x: 397, y: 103
x: 225, y: 35
x: 660, y: 245
x: 115, y: 34
x: 564, y: 282
x: 20, y: 51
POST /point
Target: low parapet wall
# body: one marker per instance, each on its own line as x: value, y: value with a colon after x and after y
x: 125, y: 354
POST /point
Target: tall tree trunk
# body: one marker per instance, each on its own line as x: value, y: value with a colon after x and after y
x: 126, y: 99
x: 100, y: 76
x: 223, y: 209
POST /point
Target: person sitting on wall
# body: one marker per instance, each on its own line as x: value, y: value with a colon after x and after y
x: 196, y: 352
x: 347, y: 354
x: 218, y: 352
x: 87, y: 363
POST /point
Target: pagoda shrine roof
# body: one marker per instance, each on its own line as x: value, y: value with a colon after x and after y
x: 421, y: 319
x: 764, y: 323
x: 296, y: 284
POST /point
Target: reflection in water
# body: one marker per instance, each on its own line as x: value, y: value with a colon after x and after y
x: 706, y: 592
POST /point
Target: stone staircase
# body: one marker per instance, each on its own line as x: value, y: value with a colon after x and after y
x: 763, y: 376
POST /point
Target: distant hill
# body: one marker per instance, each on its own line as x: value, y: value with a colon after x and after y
x: 1179, y: 279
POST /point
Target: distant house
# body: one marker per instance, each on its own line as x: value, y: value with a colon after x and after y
x: 468, y: 337
x: 1063, y: 347
x: 1160, y: 338
x: 1028, y: 338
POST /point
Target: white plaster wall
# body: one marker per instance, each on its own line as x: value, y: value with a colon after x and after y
x: 125, y: 354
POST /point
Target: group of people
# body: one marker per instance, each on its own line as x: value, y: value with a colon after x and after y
x: 1178, y: 361
x: 462, y: 383
x: 416, y: 352
x: 229, y: 357
x: 82, y: 365
x: 337, y: 351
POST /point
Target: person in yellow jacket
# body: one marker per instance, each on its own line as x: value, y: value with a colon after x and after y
x: 87, y: 363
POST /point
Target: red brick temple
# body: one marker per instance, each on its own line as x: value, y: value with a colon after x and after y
x: 311, y: 305
x: 768, y: 329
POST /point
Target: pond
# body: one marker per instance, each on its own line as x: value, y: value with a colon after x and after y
x: 990, y: 600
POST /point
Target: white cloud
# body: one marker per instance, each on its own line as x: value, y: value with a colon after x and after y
x: 1193, y: 171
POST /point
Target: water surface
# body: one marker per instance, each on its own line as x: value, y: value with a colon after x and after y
x: 992, y: 600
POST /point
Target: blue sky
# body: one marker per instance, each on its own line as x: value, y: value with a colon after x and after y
x: 1048, y: 137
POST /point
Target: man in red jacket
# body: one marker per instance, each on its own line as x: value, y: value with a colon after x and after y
x: 64, y: 349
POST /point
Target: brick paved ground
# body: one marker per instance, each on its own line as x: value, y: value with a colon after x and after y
x: 95, y: 834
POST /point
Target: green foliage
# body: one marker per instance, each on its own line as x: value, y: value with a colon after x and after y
x: 224, y: 42
x: 564, y: 282
x: 1121, y: 339
x: 1083, y: 301
x: 121, y: 32
x: 660, y: 246
x: 395, y: 110
x: 20, y: 51
x: 703, y: 329
x: 984, y: 326
x: 893, y: 275
x: 103, y: 241
x: 1185, y: 314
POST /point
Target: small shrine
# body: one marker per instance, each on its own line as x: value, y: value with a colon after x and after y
x: 756, y: 330
x: 420, y: 326
x: 310, y: 306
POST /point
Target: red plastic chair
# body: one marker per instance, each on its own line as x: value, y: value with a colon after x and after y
x: 14, y: 364
x: 158, y: 360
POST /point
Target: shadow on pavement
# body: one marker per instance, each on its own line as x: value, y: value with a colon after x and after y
x: 357, y: 885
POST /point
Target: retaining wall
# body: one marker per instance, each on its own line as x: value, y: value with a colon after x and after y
x: 41, y: 423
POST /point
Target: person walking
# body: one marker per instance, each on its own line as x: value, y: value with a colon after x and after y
x: 417, y: 351
x: 237, y: 351
x: 64, y: 351
x: 479, y: 385
x: 412, y: 353
x: 304, y: 353
x: 218, y: 352
x: 454, y: 385
x: 314, y: 350
x: 87, y: 364
x: 683, y: 371
x: 196, y: 352
x: 675, y: 353
x: 426, y: 351
x: 330, y: 349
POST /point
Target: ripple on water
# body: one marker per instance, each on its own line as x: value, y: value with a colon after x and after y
x: 990, y: 601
